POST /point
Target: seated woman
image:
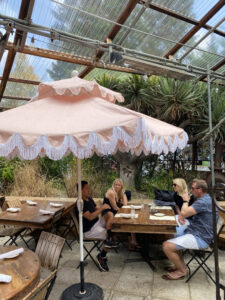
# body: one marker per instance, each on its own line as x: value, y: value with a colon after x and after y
x: 116, y: 198
x: 180, y: 188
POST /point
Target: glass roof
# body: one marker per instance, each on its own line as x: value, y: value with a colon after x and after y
x: 149, y: 33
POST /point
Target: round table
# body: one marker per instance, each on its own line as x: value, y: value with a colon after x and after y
x: 25, y: 272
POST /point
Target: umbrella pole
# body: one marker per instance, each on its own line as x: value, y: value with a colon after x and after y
x: 80, y: 208
x: 88, y: 291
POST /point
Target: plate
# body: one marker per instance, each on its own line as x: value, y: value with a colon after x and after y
x: 159, y: 214
x: 13, y: 209
x: 56, y: 204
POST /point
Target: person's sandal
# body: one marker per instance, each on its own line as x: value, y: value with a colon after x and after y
x: 174, y: 276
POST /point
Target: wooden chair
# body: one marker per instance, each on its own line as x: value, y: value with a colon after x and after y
x: 40, y: 292
x: 12, y: 232
x: 96, y: 243
x: 49, y: 249
x: 202, y: 255
x: 14, y: 203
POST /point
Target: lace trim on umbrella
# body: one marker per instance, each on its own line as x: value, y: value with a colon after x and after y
x: 141, y: 141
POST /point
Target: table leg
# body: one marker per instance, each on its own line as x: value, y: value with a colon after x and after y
x: 144, y: 253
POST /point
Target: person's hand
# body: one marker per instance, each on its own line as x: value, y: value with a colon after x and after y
x: 106, y: 206
x: 181, y: 220
x: 186, y: 197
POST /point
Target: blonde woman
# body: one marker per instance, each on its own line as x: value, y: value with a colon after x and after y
x: 115, y: 198
x: 181, y: 191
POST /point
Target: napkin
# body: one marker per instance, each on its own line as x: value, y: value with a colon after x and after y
x: 161, y: 207
x: 5, y: 278
x: 11, y: 254
x: 13, y: 209
x: 136, y: 206
x: 31, y: 202
x: 164, y: 218
x: 127, y: 216
x: 56, y: 204
x: 46, y: 212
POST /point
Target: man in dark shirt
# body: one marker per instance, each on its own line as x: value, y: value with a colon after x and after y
x: 93, y: 227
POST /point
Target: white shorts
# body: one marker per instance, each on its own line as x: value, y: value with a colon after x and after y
x: 98, y: 231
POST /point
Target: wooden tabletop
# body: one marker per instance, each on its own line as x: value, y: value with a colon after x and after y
x: 29, y: 216
x: 25, y: 272
x: 143, y: 224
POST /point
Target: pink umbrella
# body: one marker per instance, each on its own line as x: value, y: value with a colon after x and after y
x: 70, y: 116
x: 80, y: 116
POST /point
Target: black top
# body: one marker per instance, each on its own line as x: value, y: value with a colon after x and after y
x: 179, y: 201
x: 89, y: 205
x: 106, y: 200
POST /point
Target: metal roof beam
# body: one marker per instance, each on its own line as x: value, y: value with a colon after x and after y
x: 214, y: 68
x: 22, y: 81
x: 181, y: 17
x: 121, y: 20
x: 16, y: 98
x: 72, y: 59
x: 202, y: 22
x: 23, y: 14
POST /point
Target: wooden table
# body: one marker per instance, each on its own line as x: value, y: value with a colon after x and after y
x: 144, y: 225
x: 30, y: 217
x: 25, y: 272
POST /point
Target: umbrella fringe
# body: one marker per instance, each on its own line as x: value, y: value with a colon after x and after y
x: 140, y: 141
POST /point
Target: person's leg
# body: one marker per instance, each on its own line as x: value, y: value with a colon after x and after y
x: 175, y: 256
x: 108, y: 223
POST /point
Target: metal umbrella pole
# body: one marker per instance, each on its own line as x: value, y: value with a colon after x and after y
x: 216, y: 259
x: 82, y: 290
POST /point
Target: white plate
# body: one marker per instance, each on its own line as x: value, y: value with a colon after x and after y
x: 56, y: 204
x: 159, y: 214
x: 13, y: 209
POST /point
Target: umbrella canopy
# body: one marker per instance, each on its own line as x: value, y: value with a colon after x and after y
x: 79, y: 116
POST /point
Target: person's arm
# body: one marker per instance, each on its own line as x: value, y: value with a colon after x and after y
x: 111, y: 196
x: 124, y: 200
x: 92, y: 215
x: 187, y: 211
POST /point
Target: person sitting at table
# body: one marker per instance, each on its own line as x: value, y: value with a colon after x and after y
x: 115, y: 197
x: 93, y: 227
x: 180, y: 188
x: 197, y: 235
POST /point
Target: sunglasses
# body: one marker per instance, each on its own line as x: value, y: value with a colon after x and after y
x: 174, y: 184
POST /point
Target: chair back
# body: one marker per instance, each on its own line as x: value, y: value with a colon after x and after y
x: 14, y: 203
x: 77, y: 227
x: 40, y: 291
x: 220, y: 224
x: 2, y: 200
x: 48, y: 249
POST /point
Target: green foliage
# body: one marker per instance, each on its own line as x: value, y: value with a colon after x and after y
x: 218, y: 113
x: 7, y: 172
x: 177, y: 101
x: 55, y: 169
x: 137, y: 93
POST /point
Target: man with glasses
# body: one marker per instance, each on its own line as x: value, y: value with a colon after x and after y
x: 197, y: 235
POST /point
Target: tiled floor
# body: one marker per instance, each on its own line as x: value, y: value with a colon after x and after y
x: 133, y: 281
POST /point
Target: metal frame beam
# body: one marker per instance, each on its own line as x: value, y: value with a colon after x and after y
x: 181, y: 17
x: 22, y: 81
x: 25, y: 12
x: 71, y: 59
x: 121, y: 20
x: 196, y: 28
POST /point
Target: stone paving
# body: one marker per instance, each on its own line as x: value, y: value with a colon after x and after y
x: 134, y: 281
